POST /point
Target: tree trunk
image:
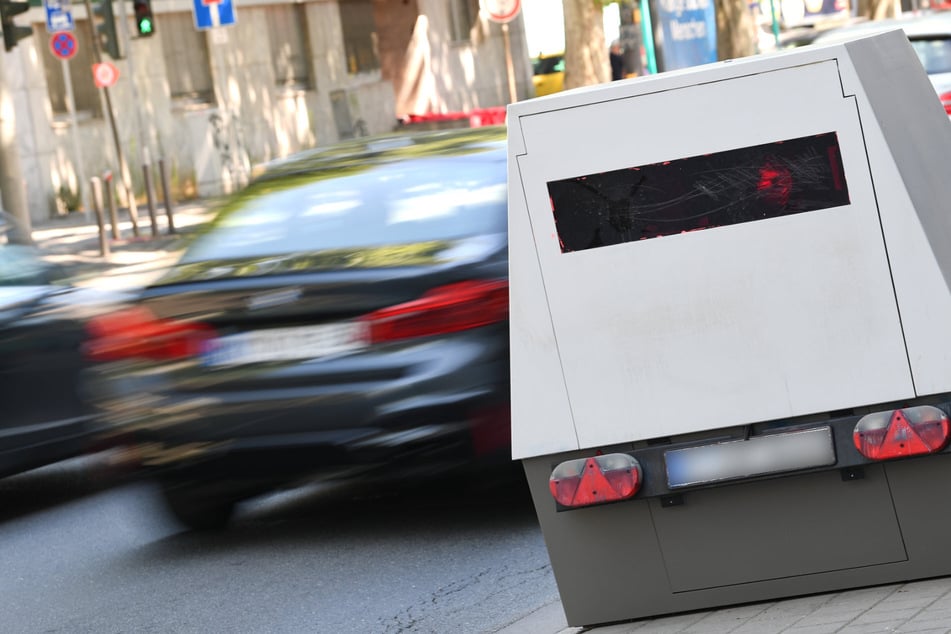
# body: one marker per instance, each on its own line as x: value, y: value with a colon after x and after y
x: 586, y: 53
x: 879, y: 9
x: 735, y: 29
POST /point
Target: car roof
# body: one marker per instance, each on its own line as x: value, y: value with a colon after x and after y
x: 915, y: 27
x: 364, y: 152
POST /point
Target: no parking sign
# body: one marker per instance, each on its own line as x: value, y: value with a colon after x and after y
x: 63, y: 44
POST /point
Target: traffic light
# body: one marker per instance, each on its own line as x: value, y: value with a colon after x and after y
x: 106, y: 30
x: 11, y: 32
x: 144, y: 22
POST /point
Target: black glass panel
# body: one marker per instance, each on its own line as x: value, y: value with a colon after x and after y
x: 700, y: 192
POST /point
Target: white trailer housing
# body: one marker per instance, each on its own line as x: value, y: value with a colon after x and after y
x: 737, y: 276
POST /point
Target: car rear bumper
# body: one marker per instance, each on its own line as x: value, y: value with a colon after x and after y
x: 442, y: 400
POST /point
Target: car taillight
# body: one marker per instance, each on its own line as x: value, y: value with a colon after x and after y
x: 945, y: 98
x: 443, y: 310
x: 597, y: 480
x: 137, y: 333
x: 912, y: 431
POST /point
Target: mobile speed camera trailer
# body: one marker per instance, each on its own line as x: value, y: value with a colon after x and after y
x: 731, y: 329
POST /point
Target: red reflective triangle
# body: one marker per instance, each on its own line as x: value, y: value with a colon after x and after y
x: 594, y: 486
x: 901, y: 438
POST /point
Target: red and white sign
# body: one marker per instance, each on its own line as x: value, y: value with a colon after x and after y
x: 105, y: 75
x: 63, y: 45
x: 501, y: 10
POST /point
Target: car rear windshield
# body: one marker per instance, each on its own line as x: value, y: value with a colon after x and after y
x: 934, y: 53
x: 548, y: 65
x: 401, y: 202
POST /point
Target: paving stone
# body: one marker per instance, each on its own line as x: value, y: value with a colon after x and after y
x: 832, y: 614
x: 881, y: 614
x: 871, y: 628
x: 925, y: 629
x: 827, y: 628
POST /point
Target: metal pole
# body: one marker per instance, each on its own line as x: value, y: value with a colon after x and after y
x: 111, y: 200
x: 167, y: 195
x: 144, y: 145
x: 150, y: 192
x: 509, y: 66
x: 107, y: 100
x: 775, y: 22
x: 648, y: 30
x: 96, y: 187
x: 74, y: 133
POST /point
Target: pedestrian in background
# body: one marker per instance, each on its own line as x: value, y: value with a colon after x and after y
x: 617, y: 60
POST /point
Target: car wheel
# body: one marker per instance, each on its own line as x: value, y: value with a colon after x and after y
x: 195, y: 508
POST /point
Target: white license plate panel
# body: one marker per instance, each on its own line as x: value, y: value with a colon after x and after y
x: 284, y: 344
x: 761, y: 455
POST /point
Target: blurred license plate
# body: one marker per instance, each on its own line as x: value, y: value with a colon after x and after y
x: 283, y: 344
x: 757, y: 456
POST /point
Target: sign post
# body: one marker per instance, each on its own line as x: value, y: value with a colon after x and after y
x: 503, y: 12
x: 63, y: 44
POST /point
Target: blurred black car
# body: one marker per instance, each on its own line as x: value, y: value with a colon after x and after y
x: 44, y: 417
x: 347, y: 312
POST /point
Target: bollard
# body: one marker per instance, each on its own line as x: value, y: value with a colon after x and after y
x: 96, y: 186
x: 133, y: 212
x: 110, y: 194
x: 167, y: 195
x: 150, y: 195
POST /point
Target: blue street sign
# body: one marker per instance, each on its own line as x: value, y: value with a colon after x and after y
x: 59, y: 17
x: 690, y: 32
x: 212, y: 13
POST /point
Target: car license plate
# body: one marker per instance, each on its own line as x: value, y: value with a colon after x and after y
x: 283, y: 344
x: 760, y: 455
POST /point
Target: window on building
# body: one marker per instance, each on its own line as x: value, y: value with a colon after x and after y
x: 85, y: 93
x: 186, y: 58
x: 462, y: 17
x: 359, y: 35
x: 290, y: 55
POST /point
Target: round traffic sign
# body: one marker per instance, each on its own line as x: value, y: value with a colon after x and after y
x: 105, y: 74
x: 502, y: 10
x: 63, y: 44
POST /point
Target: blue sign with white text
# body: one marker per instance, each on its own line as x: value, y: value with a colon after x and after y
x: 212, y: 13
x: 59, y: 17
x: 690, y: 32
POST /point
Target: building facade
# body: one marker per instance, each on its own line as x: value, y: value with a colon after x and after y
x: 212, y: 103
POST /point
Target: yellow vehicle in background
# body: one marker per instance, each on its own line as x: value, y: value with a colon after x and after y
x: 548, y: 73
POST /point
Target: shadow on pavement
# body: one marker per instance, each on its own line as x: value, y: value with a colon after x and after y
x: 62, y: 482
x: 322, y: 511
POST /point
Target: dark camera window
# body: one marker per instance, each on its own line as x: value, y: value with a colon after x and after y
x: 700, y: 192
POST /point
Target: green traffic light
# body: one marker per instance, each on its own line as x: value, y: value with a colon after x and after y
x: 145, y: 26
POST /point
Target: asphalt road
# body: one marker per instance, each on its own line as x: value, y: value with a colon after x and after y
x: 82, y: 553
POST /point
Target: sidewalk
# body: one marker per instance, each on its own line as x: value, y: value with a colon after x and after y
x: 73, y: 241
x: 919, y: 606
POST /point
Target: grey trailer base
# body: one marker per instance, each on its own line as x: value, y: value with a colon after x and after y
x: 746, y: 542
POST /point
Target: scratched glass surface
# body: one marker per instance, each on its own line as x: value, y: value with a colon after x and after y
x: 700, y: 192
